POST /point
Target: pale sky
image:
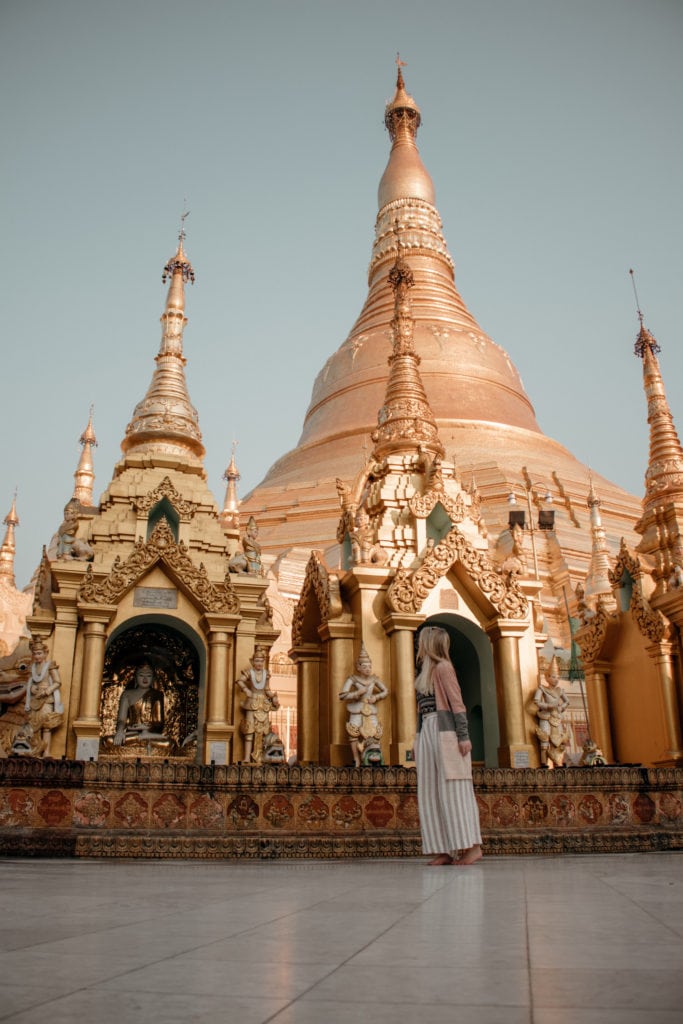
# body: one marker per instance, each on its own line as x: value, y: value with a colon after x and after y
x: 552, y: 131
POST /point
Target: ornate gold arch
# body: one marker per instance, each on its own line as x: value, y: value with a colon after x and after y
x: 650, y: 622
x: 324, y: 588
x: 185, y: 509
x: 161, y: 547
x: 409, y: 589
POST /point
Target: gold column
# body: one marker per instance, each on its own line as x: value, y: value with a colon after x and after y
x: 598, y: 708
x: 338, y: 636
x: 662, y: 653
x: 401, y: 632
x: 218, y: 732
x: 514, y: 751
x: 308, y: 658
x: 87, y: 727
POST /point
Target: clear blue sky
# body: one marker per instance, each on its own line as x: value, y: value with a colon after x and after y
x: 552, y: 131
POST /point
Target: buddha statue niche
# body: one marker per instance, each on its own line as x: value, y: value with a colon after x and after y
x: 140, y: 718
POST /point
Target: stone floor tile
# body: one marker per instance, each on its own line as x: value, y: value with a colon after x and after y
x: 632, y: 988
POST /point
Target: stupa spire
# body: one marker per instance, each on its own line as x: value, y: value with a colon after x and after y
x: 405, y: 422
x: 84, y: 476
x: 664, y: 474
x: 8, y: 547
x: 165, y: 421
x: 230, y: 512
x: 597, y: 580
x: 405, y: 175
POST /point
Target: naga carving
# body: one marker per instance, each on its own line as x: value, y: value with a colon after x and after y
x: 161, y: 547
x: 409, y: 589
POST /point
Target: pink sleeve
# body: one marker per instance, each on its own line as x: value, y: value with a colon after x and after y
x: 445, y: 674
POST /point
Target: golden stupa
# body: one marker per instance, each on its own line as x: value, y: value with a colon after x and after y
x: 485, y: 419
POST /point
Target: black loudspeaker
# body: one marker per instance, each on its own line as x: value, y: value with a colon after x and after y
x: 516, y: 519
x: 546, y: 519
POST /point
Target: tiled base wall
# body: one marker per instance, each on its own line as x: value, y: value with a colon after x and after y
x: 155, y: 810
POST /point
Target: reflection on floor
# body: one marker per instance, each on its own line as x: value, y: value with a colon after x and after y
x: 563, y: 940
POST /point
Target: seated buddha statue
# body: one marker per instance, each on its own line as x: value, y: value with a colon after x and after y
x: 140, y: 717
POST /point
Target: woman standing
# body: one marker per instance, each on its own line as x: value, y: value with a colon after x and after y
x: 449, y: 816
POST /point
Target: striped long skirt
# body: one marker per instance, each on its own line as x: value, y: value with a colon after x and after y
x: 449, y: 816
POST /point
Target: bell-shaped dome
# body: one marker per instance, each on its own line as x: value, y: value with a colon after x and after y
x: 483, y: 415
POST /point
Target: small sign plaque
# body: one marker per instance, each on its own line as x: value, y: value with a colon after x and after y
x: 520, y: 759
x: 87, y: 749
x: 218, y: 752
x: 155, y: 597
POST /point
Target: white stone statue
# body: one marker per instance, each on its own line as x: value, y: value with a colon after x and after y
x: 361, y: 692
x: 43, y: 706
x: 549, y: 704
x: 258, y: 701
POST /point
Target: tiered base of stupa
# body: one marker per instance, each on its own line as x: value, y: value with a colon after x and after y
x: 51, y: 808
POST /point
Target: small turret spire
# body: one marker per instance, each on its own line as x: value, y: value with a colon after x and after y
x: 84, y: 476
x: 597, y: 580
x: 230, y: 513
x: 165, y: 421
x: 8, y: 548
x: 405, y: 421
x: 664, y: 474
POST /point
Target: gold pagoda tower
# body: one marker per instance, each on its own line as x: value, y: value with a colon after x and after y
x: 485, y: 419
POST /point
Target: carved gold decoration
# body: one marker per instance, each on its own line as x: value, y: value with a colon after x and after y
x: 625, y: 562
x: 161, y: 547
x: 185, y: 509
x: 422, y: 505
x: 591, y: 637
x: 324, y: 587
x: 651, y: 623
x: 409, y: 589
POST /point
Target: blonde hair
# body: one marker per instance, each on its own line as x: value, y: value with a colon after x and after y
x: 433, y: 647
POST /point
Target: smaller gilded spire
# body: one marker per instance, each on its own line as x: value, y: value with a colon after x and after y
x: 8, y: 548
x: 84, y: 476
x: 597, y: 580
x: 230, y: 513
x: 664, y: 474
x: 165, y: 421
x: 405, y: 422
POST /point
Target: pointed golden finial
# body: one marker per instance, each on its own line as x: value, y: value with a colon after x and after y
x: 645, y: 342
x: 402, y: 115
x: 165, y: 421
x: 8, y: 547
x: 597, y: 580
x: 405, y: 176
x: 230, y: 513
x: 664, y: 474
x: 84, y: 476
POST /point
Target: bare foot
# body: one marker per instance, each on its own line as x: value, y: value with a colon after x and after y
x: 441, y: 859
x: 469, y: 857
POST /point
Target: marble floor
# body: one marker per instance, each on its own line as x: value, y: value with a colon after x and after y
x: 562, y: 940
